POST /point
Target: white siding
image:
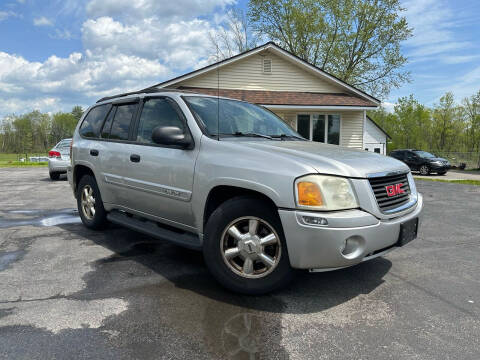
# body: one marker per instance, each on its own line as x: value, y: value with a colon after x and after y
x: 374, y: 137
x: 247, y: 74
x: 351, y: 127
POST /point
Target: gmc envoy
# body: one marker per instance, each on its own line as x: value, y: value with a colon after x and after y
x: 232, y: 179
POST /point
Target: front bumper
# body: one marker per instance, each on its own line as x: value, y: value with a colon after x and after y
x: 320, y: 247
x: 440, y: 168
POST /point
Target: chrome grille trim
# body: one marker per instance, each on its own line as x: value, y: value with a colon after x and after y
x: 395, y: 203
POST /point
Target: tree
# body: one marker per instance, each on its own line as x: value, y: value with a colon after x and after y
x: 358, y: 41
x: 471, y: 108
x: 444, y: 115
x: 77, y: 112
x: 233, y: 36
x: 63, y: 126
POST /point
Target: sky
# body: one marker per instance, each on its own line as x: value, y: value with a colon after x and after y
x: 59, y: 53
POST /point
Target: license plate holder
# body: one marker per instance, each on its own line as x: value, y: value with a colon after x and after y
x: 408, y: 232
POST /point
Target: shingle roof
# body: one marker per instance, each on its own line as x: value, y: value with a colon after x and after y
x: 286, y: 97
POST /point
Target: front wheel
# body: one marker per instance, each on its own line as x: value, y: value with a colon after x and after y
x: 424, y: 170
x: 244, y: 247
x: 89, y: 203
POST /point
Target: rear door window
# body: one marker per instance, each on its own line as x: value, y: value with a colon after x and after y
x: 92, y: 123
x: 121, y: 122
x: 156, y: 112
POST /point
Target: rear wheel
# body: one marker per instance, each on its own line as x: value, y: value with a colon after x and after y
x: 89, y: 203
x: 244, y: 247
x: 424, y: 170
x: 54, y: 175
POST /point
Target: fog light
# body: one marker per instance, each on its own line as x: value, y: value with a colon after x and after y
x: 314, y: 220
x: 352, y: 247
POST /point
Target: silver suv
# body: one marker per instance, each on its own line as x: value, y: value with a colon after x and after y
x: 232, y: 179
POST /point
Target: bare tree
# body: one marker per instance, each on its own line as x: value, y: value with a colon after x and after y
x: 233, y: 36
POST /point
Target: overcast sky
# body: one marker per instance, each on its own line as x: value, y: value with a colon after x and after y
x: 59, y: 53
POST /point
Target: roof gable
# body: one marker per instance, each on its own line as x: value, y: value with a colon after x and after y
x: 305, y: 75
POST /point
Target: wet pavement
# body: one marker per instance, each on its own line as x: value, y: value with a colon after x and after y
x: 68, y: 292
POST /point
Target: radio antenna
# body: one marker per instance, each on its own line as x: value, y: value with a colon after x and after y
x: 218, y: 95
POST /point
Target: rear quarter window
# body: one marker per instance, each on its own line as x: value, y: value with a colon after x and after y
x: 121, y: 122
x: 92, y: 123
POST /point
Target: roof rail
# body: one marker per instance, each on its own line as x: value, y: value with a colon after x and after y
x: 143, y: 91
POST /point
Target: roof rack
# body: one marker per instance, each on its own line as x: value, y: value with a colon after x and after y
x: 143, y: 91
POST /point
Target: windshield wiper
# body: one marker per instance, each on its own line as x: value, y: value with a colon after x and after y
x: 249, y: 134
x: 285, y: 136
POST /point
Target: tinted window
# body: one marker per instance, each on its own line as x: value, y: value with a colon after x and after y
x: 108, y: 124
x: 93, y: 121
x: 121, y: 122
x: 156, y: 112
x: 397, y: 154
x: 424, y: 154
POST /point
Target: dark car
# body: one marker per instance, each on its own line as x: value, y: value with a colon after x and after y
x: 422, y: 161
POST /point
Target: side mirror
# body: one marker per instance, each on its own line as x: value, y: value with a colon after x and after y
x: 171, y: 135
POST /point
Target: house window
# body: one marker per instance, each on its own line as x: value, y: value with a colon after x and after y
x: 320, y: 127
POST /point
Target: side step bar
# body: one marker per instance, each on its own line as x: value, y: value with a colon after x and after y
x: 155, y: 230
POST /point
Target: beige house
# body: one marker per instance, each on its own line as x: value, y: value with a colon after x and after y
x: 318, y: 105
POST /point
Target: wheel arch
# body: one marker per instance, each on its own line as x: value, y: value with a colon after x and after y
x: 221, y: 193
x: 79, y: 171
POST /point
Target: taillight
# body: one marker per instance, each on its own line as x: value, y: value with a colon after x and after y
x: 71, y: 145
x: 54, y: 154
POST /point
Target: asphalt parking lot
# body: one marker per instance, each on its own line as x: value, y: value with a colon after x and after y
x: 67, y: 292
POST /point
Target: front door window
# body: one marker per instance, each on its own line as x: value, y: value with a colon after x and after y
x: 320, y: 127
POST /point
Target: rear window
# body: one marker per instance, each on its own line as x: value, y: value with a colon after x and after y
x: 121, y: 122
x: 92, y: 123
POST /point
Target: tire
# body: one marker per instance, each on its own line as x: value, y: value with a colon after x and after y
x: 425, y: 170
x: 54, y: 176
x: 96, y: 219
x: 231, y: 271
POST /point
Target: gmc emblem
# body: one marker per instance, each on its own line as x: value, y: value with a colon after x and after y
x: 395, y: 189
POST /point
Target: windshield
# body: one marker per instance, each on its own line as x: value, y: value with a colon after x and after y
x: 424, y: 154
x: 237, y: 118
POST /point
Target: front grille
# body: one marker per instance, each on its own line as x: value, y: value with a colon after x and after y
x: 385, y: 202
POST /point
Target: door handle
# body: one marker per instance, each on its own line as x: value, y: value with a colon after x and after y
x: 94, y: 152
x: 135, y: 158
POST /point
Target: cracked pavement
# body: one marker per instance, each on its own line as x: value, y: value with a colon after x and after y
x: 69, y: 292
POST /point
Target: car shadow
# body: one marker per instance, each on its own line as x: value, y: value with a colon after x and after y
x: 63, y: 177
x: 169, y: 287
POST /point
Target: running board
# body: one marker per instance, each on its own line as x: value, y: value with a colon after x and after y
x: 156, y: 230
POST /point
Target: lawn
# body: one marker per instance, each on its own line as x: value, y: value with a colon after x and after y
x: 466, y: 182
x: 13, y: 160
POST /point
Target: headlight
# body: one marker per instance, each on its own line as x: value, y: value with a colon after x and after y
x: 437, y: 162
x: 322, y: 192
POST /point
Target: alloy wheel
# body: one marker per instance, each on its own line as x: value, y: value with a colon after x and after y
x: 250, y: 247
x: 424, y: 170
x: 88, y: 202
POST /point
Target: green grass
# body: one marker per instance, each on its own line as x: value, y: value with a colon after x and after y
x: 466, y: 182
x: 4, y: 164
x: 12, y: 160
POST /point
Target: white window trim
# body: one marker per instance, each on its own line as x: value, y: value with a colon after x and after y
x: 326, y: 124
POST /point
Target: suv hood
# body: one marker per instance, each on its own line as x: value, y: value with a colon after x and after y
x: 330, y: 159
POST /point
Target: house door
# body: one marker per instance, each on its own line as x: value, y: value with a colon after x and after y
x: 319, y: 127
